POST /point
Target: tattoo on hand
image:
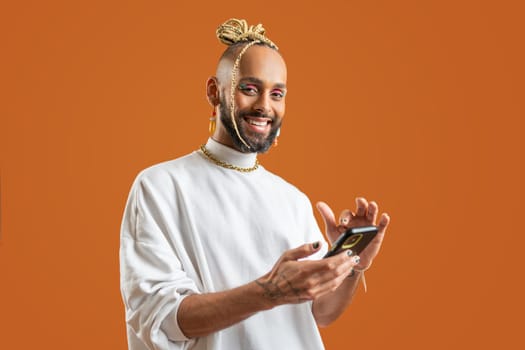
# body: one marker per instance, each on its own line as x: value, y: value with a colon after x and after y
x: 272, y: 290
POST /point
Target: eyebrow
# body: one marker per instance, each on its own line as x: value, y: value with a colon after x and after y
x: 260, y: 82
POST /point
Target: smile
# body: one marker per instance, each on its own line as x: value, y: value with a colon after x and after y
x: 259, y: 124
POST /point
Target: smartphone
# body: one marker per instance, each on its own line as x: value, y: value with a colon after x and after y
x: 355, y: 238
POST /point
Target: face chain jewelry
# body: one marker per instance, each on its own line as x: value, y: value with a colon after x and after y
x: 233, y: 87
x: 211, y: 158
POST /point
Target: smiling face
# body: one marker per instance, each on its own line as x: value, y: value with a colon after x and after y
x: 259, y: 99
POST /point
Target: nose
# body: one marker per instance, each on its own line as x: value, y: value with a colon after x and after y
x: 262, y: 105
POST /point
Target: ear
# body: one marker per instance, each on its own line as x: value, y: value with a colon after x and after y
x: 212, y: 91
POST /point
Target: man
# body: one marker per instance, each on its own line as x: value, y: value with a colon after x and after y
x: 218, y: 253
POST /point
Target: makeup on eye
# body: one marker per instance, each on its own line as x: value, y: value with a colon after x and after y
x: 252, y: 89
x: 278, y: 93
x: 248, y: 88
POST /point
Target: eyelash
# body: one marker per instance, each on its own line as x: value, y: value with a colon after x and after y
x: 278, y: 94
x: 247, y: 88
x: 250, y: 89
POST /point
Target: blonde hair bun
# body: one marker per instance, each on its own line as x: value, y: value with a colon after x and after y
x: 236, y: 30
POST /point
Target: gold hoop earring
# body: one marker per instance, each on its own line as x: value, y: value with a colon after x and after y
x: 213, y: 123
x: 275, y: 141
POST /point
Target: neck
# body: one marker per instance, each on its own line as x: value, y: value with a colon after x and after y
x: 225, y: 139
x: 227, y: 143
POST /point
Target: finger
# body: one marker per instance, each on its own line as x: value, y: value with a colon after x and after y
x: 362, y: 206
x: 328, y: 284
x: 317, y: 281
x: 345, y: 216
x: 314, y: 268
x: 328, y: 216
x: 326, y: 287
x: 334, y: 265
x: 330, y: 281
x: 384, y: 220
x: 301, y: 252
x: 372, y: 212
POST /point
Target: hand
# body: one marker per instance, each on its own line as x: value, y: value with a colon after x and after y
x: 291, y: 281
x: 365, y: 215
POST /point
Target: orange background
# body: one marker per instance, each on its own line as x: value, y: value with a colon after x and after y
x: 415, y: 104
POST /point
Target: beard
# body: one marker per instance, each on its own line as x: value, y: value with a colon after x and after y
x: 258, y: 143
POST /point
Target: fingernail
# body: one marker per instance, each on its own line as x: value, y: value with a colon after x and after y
x: 315, y: 245
x: 356, y: 259
x: 349, y: 252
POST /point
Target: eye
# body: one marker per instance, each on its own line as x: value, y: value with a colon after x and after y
x: 248, y: 89
x: 277, y: 94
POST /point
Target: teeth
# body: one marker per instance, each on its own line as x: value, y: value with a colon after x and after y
x: 253, y: 122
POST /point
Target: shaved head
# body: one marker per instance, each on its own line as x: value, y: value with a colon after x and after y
x: 227, y: 59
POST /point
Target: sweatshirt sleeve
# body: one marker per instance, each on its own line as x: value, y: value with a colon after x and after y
x: 153, y: 281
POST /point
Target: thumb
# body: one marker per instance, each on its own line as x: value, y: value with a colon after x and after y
x: 302, y: 251
x: 328, y: 216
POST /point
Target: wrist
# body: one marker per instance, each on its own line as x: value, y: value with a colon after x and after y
x: 361, y: 269
x: 358, y: 273
x: 263, y: 294
x: 357, y: 269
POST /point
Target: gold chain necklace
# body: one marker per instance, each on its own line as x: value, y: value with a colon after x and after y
x: 210, y: 157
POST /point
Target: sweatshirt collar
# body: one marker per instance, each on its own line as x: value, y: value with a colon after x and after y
x: 230, y: 155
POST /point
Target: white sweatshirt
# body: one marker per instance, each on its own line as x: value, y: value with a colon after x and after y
x: 191, y: 226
